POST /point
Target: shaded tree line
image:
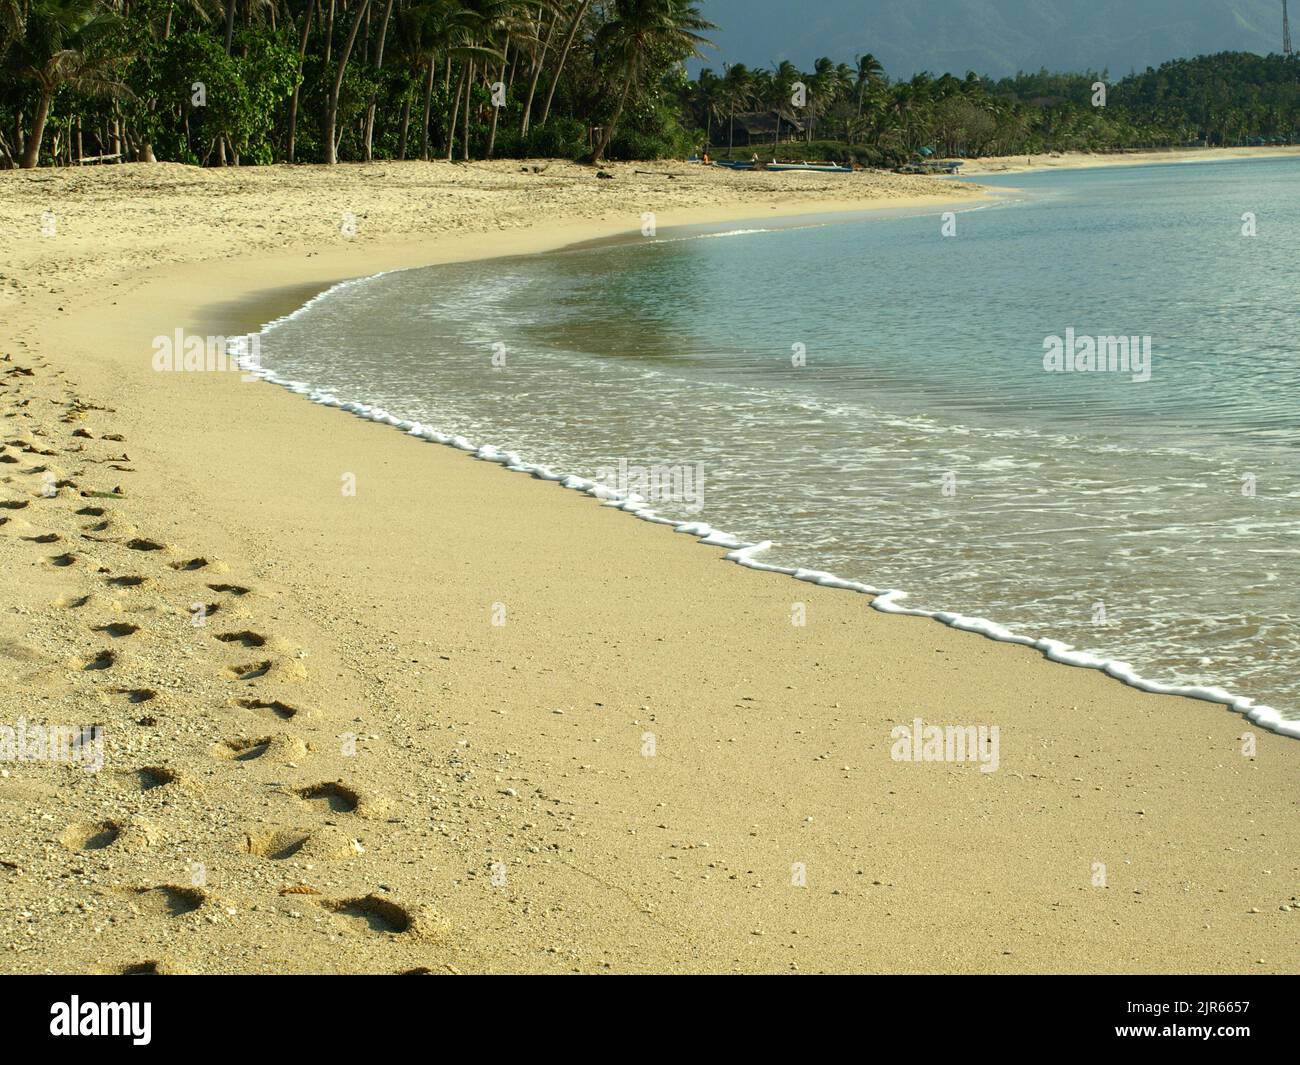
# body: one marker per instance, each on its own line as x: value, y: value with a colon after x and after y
x: 234, y: 82
x: 855, y: 109
x: 238, y: 82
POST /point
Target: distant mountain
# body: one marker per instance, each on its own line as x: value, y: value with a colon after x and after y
x: 997, y: 37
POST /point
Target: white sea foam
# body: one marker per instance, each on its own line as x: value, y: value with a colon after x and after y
x: 889, y: 601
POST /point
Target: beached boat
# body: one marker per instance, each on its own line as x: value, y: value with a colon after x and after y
x: 734, y: 164
x: 951, y: 166
x: 826, y: 168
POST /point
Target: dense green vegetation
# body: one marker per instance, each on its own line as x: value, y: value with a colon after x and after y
x: 857, y: 113
x: 256, y: 81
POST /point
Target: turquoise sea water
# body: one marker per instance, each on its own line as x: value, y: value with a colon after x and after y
x: 919, y: 443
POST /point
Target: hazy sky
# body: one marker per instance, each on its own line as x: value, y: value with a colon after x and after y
x: 991, y: 36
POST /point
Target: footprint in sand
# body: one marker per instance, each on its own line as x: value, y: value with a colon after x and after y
x: 14, y: 504
x: 325, y: 843
x: 330, y: 797
x: 189, y: 565
x: 141, y: 544
x: 230, y: 589
x: 279, y: 748
x: 104, y: 660
x: 271, y: 708
x: 169, y: 900
x: 373, y: 912
x: 137, y: 695
x: 244, y: 639
x: 134, y: 835
x: 44, y: 538
x: 111, y: 530
x: 285, y: 669
x: 251, y: 670
x: 376, y: 914
x: 77, y: 602
x: 149, y: 967
x: 90, y: 837
x: 242, y: 750
x: 127, y: 582
x: 152, y: 777
x: 62, y: 561
x: 118, y: 629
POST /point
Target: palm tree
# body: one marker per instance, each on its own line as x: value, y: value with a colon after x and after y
x: 12, y: 22
x: 738, y: 89
x: 506, y: 22
x: 63, y: 46
x: 538, y: 61
x: 579, y: 14
x: 332, y: 104
x: 823, y: 90
x: 709, y: 99
x: 470, y: 23
x: 869, y: 75
x: 379, y: 65
x: 638, y: 29
x: 779, y: 91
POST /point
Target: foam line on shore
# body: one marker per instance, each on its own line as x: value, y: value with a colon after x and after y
x: 888, y: 601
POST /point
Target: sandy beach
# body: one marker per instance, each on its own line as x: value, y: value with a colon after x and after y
x: 1020, y: 164
x: 345, y: 765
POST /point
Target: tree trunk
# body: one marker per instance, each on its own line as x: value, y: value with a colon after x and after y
x: 537, y: 75
x: 406, y: 125
x: 598, y: 156
x: 428, y: 107
x: 379, y: 65
x: 454, y: 114
x: 302, y: 52
x: 332, y: 108
x: 469, y: 99
x: 230, y: 23
x: 32, y: 152
x: 564, y: 55
x: 496, y: 111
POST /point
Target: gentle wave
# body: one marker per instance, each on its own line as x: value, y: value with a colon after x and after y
x: 744, y: 553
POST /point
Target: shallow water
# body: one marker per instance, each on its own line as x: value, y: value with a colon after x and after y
x: 921, y: 444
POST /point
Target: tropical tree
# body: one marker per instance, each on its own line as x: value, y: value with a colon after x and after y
x: 738, y: 91
x: 340, y: 68
x: 640, y: 31
x: 580, y: 12
x: 63, y: 45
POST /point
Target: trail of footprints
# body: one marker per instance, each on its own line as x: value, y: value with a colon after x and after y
x: 249, y: 656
